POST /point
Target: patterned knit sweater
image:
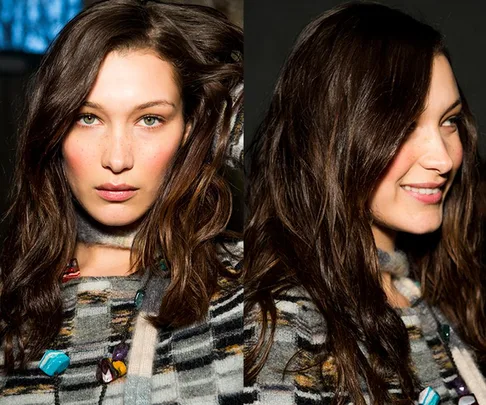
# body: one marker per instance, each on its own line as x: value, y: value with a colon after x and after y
x: 199, y: 364
x: 300, y: 329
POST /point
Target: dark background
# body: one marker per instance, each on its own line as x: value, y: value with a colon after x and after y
x: 272, y: 26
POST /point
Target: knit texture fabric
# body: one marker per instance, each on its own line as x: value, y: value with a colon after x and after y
x: 198, y: 364
x: 301, y: 329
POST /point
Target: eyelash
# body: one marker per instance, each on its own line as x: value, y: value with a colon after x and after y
x: 160, y: 119
x: 455, y: 119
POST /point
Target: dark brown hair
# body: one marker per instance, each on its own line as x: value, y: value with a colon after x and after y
x: 346, y: 98
x: 187, y: 222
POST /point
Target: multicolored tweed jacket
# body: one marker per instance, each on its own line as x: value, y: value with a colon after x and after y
x: 301, y: 329
x: 199, y: 364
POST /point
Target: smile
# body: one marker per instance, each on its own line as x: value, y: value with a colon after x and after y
x: 424, y: 194
x: 427, y: 191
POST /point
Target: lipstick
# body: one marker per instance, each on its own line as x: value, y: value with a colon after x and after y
x: 428, y: 193
x: 116, y: 192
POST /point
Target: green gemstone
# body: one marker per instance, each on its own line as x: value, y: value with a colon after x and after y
x: 445, y: 332
x: 139, y: 298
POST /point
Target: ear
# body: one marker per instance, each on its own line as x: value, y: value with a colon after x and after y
x: 187, y: 131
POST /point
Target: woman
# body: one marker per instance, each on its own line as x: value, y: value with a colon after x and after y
x: 354, y: 164
x: 131, y: 121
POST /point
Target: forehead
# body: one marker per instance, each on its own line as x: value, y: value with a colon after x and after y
x: 443, y: 90
x: 134, y: 77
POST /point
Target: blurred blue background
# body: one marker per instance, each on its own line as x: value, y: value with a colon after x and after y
x: 30, y: 25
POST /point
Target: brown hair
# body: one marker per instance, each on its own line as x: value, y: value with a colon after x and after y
x: 187, y: 222
x: 346, y: 98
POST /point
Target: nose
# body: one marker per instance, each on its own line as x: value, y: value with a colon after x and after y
x: 436, y: 154
x: 117, y: 153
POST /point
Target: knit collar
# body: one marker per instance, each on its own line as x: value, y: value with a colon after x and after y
x: 395, y: 263
x: 92, y: 232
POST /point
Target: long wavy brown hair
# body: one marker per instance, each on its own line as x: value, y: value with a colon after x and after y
x: 346, y: 99
x: 187, y: 222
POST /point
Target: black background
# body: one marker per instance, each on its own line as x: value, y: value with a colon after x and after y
x: 272, y: 26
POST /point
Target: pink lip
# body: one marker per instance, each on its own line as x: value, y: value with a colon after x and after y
x: 116, y: 187
x: 116, y: 192
x: 425, y: 198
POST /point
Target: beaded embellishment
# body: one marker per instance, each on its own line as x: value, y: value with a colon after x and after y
x: 55, y: 362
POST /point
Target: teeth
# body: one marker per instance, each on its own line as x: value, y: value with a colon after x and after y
x: 422, y: 190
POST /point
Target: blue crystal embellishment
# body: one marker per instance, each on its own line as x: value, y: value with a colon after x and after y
x: 139, y: 298
x: 428, y: 397
x: 54, y: 362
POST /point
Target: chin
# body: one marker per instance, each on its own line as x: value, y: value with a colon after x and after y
x: 423, y: 227
x: 123, y: 218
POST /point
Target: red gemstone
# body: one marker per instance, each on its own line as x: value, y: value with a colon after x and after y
x: 106, y: 373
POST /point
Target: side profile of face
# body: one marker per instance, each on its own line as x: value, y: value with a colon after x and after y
x: 128, y: 130
x: 410, y: 196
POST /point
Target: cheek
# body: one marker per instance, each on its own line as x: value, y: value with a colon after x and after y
x: 78, y: 159
x: 402, y: 162
x: 156, y: 159
x: 388, y: 187
x: 457, y: 154
x: 397, y: 169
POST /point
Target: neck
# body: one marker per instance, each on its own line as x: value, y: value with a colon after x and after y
x: 102, y: 261
x: 384, y: 238
x: 392, y: 264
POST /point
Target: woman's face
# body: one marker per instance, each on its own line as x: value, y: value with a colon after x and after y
x: 410, y: 196
x: 127, y: 131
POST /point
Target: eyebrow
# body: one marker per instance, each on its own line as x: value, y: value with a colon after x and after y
x: 137, y: 108
x: 451, y: 107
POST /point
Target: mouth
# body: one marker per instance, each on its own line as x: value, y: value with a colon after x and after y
x: 422, y: 190
x: 429, y: 193
x: 116, y: 192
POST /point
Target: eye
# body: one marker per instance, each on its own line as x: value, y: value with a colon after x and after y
x: 450, y: 122
x: 151, y: 121
x: 453, y: 121
x: 87, y: 120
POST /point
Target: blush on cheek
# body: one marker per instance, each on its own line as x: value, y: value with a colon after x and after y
x: 403, y: 161
x: 77, y: 158
x: 156, y: 163
x: 73, y: 162
x: 458, y: 156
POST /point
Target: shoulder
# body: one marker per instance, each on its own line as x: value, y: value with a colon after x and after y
x: 228, y: 297
x: 230, y: 252
x: 297, y: 317
x: 292, y: 370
